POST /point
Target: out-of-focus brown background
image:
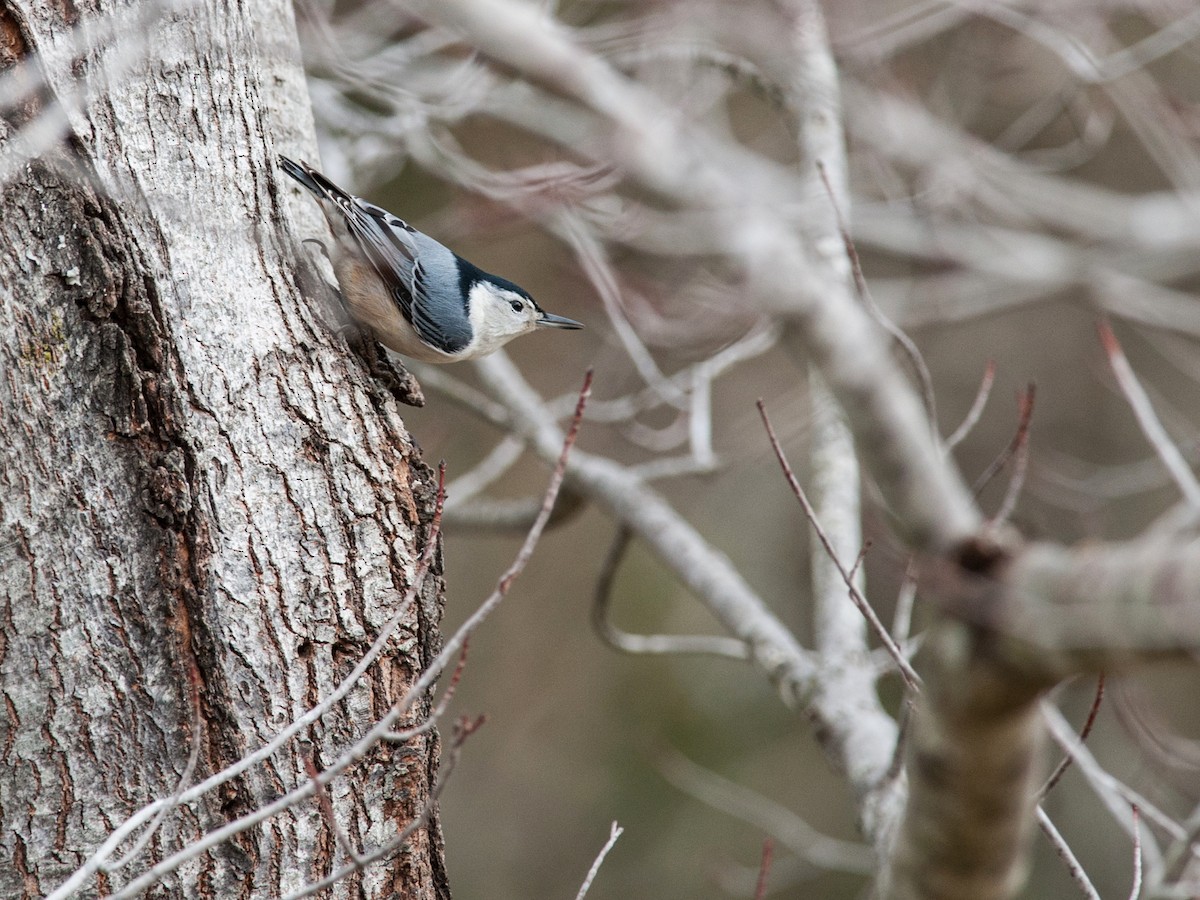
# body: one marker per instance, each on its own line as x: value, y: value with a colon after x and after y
x: 579, y: 735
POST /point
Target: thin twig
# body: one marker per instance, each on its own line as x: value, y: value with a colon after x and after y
x: 1024, y: 413
x: 1065, y: 764
x: 764, y: 869
x: 1136, y: 890
x: 905, y: 599
x: 1114, y: 793
x: 1151, y: 425
x: 399, y: 737
x: 1020, y: 459
x: 862, y: 554
x: 326, y: 807
x: 614, y: 832
x: 762, y: 812
x: 194, y: 693
x: 464, y: 729
x: 906, y: 343
x: 911, y: 679
x: 906, y: 716
x: 716, y: 645
x: 1063, y: 849
x: 1181, y: 852
x: 976, y: 411
x: 595, y: 264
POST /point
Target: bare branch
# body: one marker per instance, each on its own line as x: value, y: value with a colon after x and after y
x: 1183, y: 849
x: 184, y: 779
x: 1152, y: 427
x: 976, y: 411
x: 1136, y: 890
x: 911, y: 351
x: 1082, y: 61
x: 1024, y: 414
x: 1020, y: 458
x: 439, y: 710
x: 326, y: 807
x: 911, y: 679
x: 1086, y: 730
x: 764, y: 869
x: 715, y: 645
x: 1067, y: 855
x: 1095, y: 607
x: 781, y: 823
x: 705, y: 571
x: 1115, y: 795
x: 905, y: 599
x: 615, y: 832
x: 600, y: 272
x: 463, y: 730
x: 652, y: 146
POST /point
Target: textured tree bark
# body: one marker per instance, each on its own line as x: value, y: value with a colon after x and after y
x: 204, y: 503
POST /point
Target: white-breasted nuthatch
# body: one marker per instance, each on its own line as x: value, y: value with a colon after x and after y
x: 415, y: 295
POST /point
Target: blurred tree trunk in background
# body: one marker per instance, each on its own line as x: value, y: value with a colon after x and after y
x: 206, y: 513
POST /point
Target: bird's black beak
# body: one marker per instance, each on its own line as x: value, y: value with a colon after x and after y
x: 553, y: 321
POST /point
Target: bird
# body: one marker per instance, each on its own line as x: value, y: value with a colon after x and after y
x: 415, y: 295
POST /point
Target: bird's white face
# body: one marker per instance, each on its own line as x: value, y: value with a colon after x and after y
x: 498, y: 315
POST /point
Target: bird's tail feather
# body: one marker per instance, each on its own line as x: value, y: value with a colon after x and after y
x: 318, y: 184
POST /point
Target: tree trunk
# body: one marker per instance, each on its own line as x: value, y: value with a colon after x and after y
x: 208, y: 511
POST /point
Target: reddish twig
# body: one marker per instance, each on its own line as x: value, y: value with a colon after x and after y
x: 1020, y: 458
x: 326, y: 806
x: 911, y: 679
x: 455, y: 645
x: 1088, y: 724
x: 556, y: 480
x: 764, y: 869
x: 1024, y: 414
x: 463, y: 729
x: 400, y: 737
x: 862, y: 554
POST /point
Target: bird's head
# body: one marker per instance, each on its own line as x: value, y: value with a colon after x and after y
x: 500, y: 311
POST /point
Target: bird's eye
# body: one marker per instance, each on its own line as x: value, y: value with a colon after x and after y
x: 517, y: 305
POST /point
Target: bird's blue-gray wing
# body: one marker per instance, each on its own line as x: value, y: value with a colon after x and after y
x: 406, y: 260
